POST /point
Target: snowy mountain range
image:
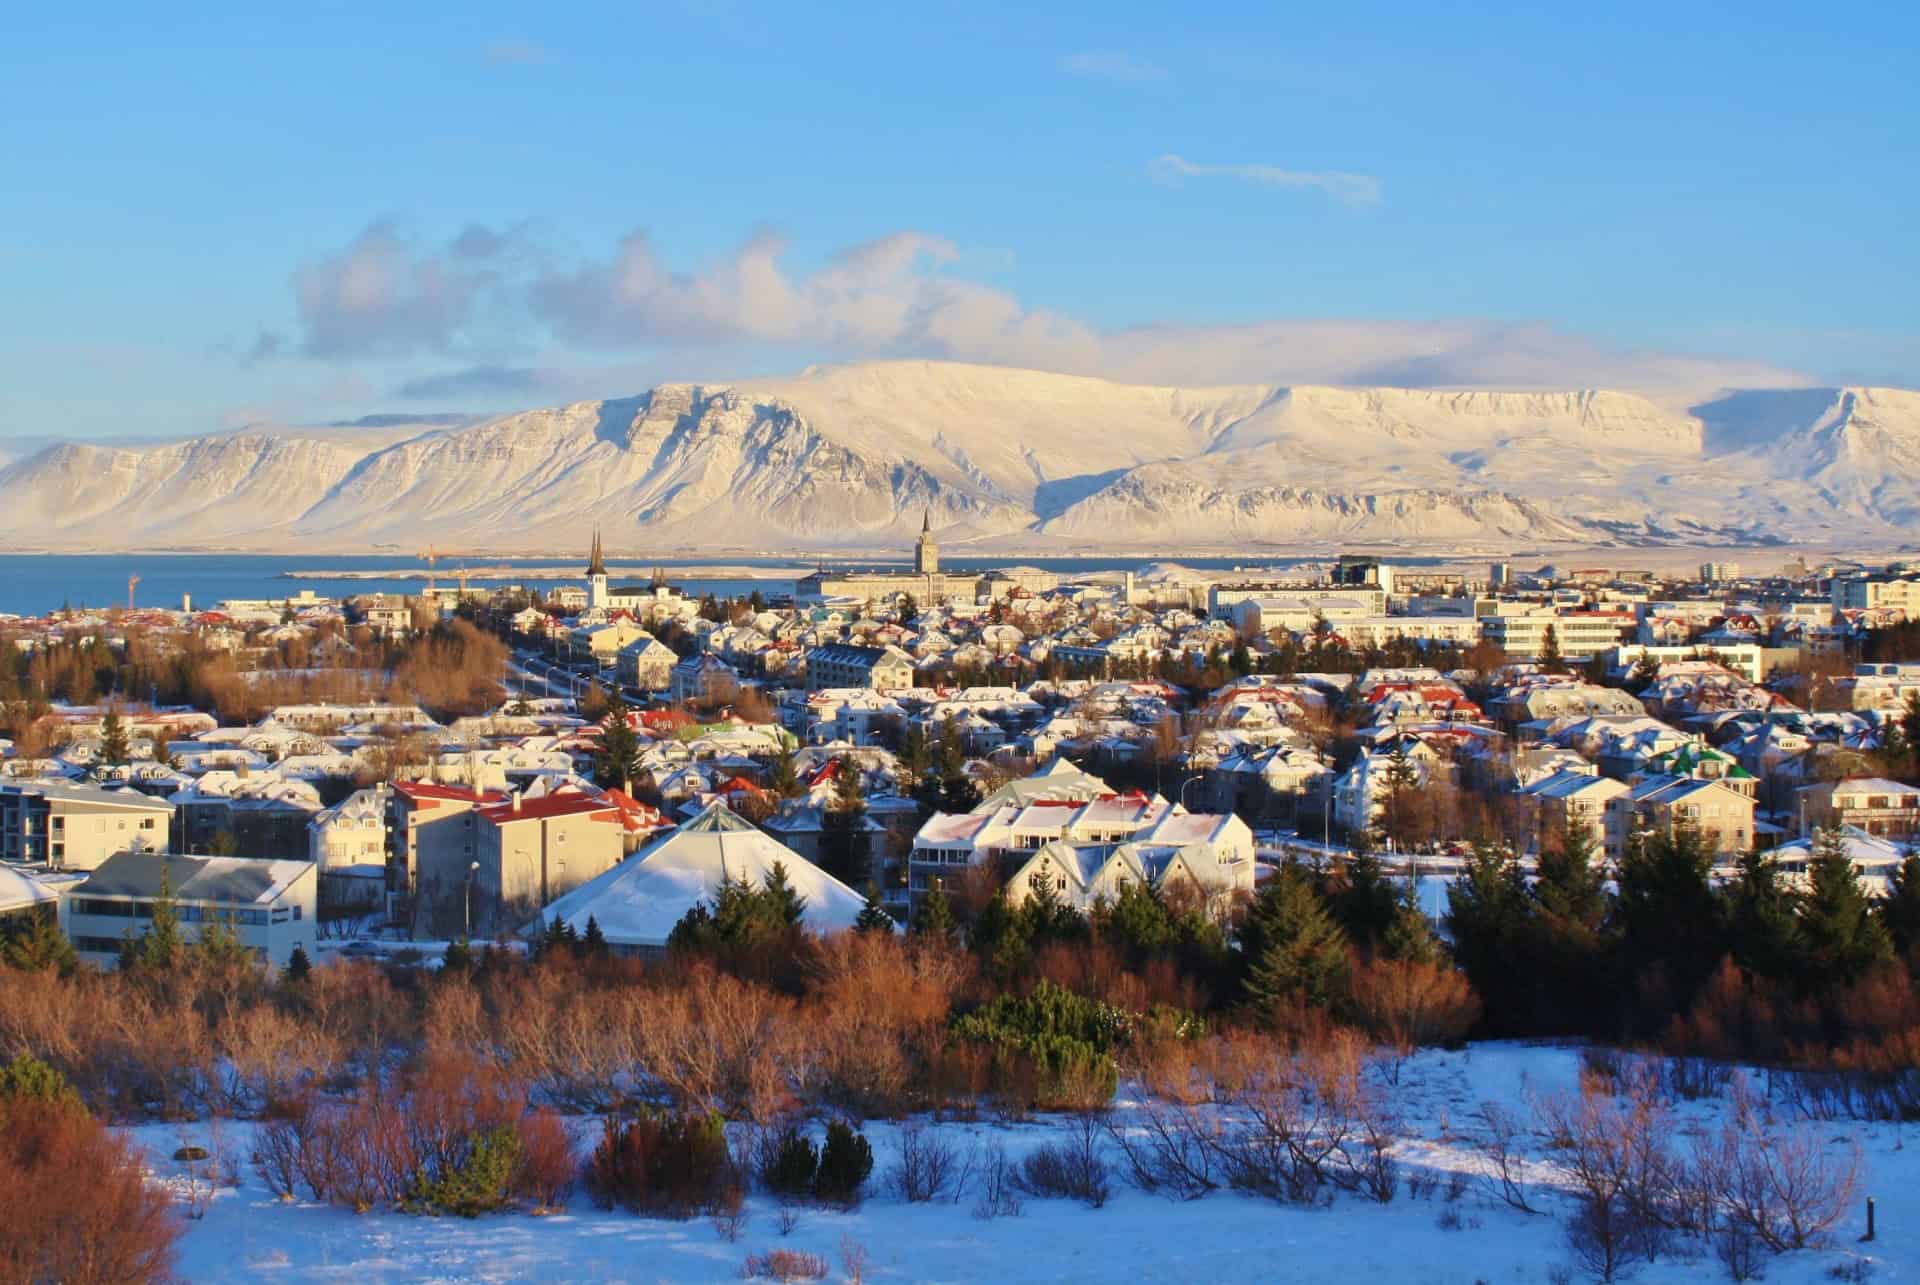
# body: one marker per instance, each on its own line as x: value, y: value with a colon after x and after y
x: 852, y: 456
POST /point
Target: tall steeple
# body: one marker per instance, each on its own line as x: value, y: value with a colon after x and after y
x: 596, y: 575
x: 926, y: 554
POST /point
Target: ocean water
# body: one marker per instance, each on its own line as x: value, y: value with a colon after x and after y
x: 33, y: 584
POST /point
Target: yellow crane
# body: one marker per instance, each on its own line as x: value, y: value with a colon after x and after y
x: 131, y: 582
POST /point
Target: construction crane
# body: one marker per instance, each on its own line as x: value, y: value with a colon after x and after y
x: 131, y: 582
x: 432, y: 557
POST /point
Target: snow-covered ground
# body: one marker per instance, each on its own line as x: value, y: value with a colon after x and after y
x: 246, y: 1235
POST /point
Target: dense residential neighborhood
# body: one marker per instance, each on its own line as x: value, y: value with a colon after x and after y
x: 929, y: 729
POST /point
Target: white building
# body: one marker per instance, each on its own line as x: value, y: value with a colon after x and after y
x: 268, y: 905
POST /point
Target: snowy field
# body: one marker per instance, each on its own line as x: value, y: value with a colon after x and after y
x: 246, y: 1235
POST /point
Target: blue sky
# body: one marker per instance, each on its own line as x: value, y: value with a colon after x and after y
x: 218, y: 213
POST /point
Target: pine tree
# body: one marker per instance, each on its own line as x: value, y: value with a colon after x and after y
x: 1763, y: 929
x: 1292, y: 948
x: 1899, y: 910
x: 1409, y: 938
x: 114, y: 750
x: 1551, y: 662
x: 1137, y: 922
x: 1910, y: 723
x: 843, y: 836
x: 593, y: 942
x: 1569, y: 884
x: 298, y: 968
x: 38, y: 945
x: 1364, y: 900
x: 160, y: 947
x: 218, y: 944
x: 1646, y: 672
x: 1489, y: 916
x: 933, y: 918
x: 616, y: 760
x: 1843, y: 937
x: 784, y: 900
x: 873, y: 916
x: 914, y: 758
x: 783, y: 777
x: 1668, y: 921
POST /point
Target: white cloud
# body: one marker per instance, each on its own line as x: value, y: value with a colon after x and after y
x: 906, y: 294
x: 1111, y: 64
x: 1352, y: 189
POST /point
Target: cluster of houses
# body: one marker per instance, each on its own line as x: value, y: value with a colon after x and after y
x: 1600, y: 700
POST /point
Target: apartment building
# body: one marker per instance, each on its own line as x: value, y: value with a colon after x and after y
x: 524, y: 854
x: 837, y: 665
x: 1579, y: 634
x: 269, y: 906
x: 77, y: 827
x: 1873, y: 805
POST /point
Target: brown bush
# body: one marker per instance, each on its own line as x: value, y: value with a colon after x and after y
x: 1408, y: 1005
x: 878, y: 1018
x: 547, y: 1168
x: 784, y: 1265
x: 716, y: 1043
x: 658, y: 1163
x: 74, y: 1202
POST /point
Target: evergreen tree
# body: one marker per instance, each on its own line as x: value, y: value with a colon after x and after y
x: 36, y: 944
x: 593, y: 942
x: 1409, y: 938
x: 1763, y: 929
x: 1900, y: 909
x: 1595, y: 671
x: 160, y: 947
x: 1569, y: 884
x: 934, y: 919
x: 114, y: 750
x: 1843, y: 936
x: 999, y: 937
x: 1667, y: 921
x: 1137, y: 922
x: 843, y: 835
x: 1489, y: 916
x: 914, y: 758
x: 616, y: 760
x: 783, y: 777
x: 783, y: 900
x: 219, y: 945
x: 458, y: 960
x: 299, y: 967
x: 873, y: 916
x: 1364, y: 900
x: 1551, y: 662
x: 1910, y: 724
x: 1291, y: 947
x: 1646, y: 672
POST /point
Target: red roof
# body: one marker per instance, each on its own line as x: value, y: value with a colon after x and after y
x: 553, y: 805
x: 427, y: 792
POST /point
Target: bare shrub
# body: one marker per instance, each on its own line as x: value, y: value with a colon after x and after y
x: 999, y: 1193
x: 1783, y: 1185
x: 547, y: 1168
x: 716, y: 1043
x: 276, y: 1156
x: 1169, y: 1150
x: 784, y: 1265
x: 1074, y: 1169
x: 789, y: 1220
x: 854, y: 1259
x: 929, y: 1167
x: 1501, y: 1147
x: 74, y: 1201
x: 731, y: 1224
x: 1407, y: 1005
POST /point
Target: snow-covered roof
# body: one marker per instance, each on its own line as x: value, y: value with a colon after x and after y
x: 638, y: 902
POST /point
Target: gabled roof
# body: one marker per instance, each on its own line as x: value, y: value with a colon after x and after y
x: 638, y: 902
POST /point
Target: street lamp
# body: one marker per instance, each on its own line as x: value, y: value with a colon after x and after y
x: 1183, y: 789
x: 472, y: 870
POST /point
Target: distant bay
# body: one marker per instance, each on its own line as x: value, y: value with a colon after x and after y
x: 33, y: 584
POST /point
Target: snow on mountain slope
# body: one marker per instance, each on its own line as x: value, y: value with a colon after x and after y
x: 854, y: 455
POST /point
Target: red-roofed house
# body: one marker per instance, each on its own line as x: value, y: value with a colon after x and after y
x: 525, y: 853
x: 425, y: 818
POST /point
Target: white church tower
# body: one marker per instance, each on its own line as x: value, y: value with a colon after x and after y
x: 596, y: 577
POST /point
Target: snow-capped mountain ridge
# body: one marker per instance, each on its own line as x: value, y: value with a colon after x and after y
x: 852, y: 456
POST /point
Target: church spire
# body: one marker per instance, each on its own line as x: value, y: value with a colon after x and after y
x: 926, y: 521
x: 596, y: 565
